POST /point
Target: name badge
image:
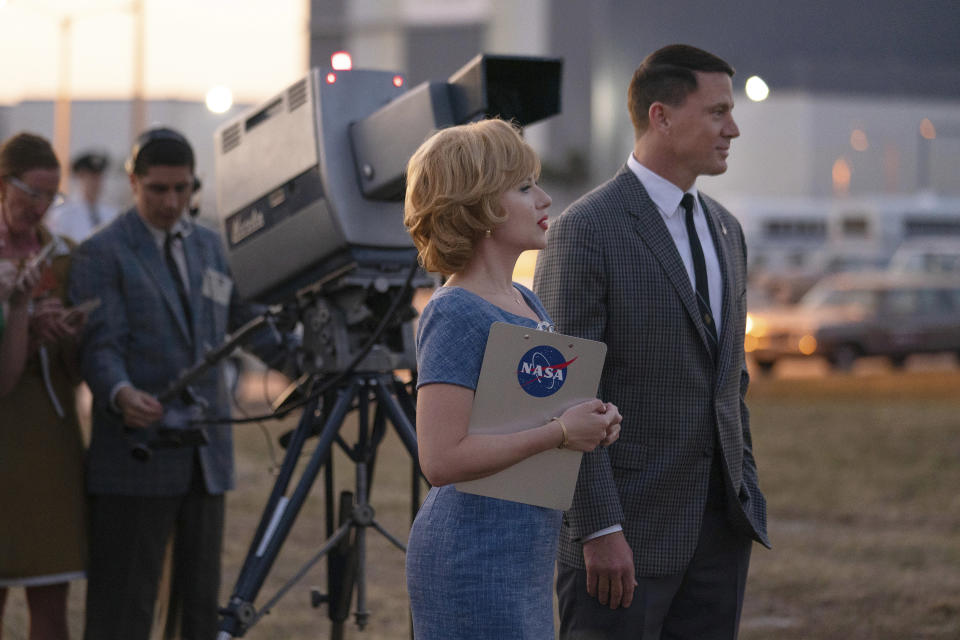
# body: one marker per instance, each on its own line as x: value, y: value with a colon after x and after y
x: 217, y: 286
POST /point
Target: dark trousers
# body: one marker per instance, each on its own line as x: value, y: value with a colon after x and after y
x: 128, y: 538
x: 702, y: 603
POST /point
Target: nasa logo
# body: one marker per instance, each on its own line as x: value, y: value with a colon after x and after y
x: 542, y: 371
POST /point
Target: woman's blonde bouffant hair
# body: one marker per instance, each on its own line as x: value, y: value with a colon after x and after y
x: 454, y: 183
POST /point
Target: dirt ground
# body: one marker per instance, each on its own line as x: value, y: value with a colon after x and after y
x: 860, y: 472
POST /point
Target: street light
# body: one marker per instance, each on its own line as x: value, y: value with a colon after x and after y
x: 219, y: 99
x: 757, y: 90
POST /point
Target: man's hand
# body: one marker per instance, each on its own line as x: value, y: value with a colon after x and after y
x: 610, y: 575
x: 139, y: 409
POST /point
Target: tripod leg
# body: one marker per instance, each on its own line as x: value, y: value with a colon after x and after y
x: 276, y: 523
x: 238, y: 611
x: 398, y: 407
x: 341, y: 571
x: 396, y: 413
x: 408, y: 405
x: 363, y: 512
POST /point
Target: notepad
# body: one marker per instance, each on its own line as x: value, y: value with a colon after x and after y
x: 527, y: 377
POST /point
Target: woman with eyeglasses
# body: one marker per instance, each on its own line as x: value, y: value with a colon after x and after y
x: 42, y: 515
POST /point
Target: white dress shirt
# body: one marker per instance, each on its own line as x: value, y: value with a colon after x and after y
x: 667, y: 196
x: 181, y: 229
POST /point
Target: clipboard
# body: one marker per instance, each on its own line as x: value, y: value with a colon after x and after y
x: 527, y: 377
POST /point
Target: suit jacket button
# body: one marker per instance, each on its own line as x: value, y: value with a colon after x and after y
x: 708, y: 452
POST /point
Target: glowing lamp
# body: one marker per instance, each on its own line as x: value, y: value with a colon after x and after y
x: 219, y: 99
x: 341, y: 61
x: 807, y: 345
x: 757, y: 90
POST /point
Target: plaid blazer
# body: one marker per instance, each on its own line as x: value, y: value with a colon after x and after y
x: 139, y: 333
x: 611, y: 272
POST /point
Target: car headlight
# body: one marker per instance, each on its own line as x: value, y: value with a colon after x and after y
x: 807, y: 345
x: 756, y: 326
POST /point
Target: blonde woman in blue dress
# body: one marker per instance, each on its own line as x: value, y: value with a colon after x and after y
x: 479, y: 567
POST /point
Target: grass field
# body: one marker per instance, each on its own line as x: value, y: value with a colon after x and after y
x: 862, y: 476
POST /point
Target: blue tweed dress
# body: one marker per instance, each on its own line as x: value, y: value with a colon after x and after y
x: 477, y: 567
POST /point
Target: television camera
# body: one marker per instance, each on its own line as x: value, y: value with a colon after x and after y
x: 309, y: 188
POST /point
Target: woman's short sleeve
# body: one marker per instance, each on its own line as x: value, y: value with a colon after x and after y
x: 451, y: 339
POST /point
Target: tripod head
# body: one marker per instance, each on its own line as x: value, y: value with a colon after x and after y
x: 362, y: 319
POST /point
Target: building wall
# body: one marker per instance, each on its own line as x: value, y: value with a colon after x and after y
x: 104, y: 125
x: 829, y: 66
x: 789, y: 144
x: 328, y: 30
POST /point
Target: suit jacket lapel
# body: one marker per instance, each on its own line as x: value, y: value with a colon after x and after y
x: 653, y: 231
x: 192, y: 249
x: 145, y: 251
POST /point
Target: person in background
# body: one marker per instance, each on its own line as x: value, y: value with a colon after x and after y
x: 478, y: 567
x: 84, y: 210
x: 42, y: 526
x: 16, y: 289
x: 166, y: 298
x: 657, y: 270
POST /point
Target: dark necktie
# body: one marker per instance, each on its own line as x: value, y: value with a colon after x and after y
x: 177, y: 277
x: 700, y: 274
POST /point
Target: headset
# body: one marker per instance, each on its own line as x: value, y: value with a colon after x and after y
x: 156, y: 134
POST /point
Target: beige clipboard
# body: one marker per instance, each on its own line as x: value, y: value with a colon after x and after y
x: 527, y: 377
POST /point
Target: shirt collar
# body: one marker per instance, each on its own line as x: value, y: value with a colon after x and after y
x: 664, y: 193
x: 181, y: 227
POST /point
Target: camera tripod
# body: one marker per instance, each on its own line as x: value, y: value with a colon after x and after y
x: 345, y: 547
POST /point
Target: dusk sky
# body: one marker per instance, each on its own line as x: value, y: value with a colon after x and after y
x: 250, y: 46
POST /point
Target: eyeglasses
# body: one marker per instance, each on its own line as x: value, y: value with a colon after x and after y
x: 48, y: 199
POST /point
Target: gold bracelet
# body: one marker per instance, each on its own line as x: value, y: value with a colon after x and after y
x: 563, y: 430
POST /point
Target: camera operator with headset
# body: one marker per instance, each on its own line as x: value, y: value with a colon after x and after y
x: 166, y: 297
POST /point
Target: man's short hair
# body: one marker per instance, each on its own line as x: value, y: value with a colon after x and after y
x: 160, y: 147
x: 454, y: 183
x: 25, y: 152
x: 668, y: 75
x: 91, y: 162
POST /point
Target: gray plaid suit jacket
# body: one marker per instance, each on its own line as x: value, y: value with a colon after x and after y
x: 139, y: 333
x: 611, y: 272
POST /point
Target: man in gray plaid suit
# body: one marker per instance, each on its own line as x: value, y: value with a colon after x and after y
x: 165, y: 297
x: 657, y: 542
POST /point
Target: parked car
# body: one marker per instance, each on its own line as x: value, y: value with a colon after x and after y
x: 928, y: 255
x: 849, y: 315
